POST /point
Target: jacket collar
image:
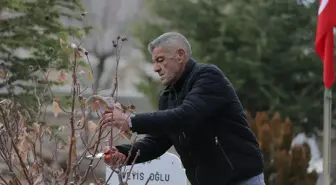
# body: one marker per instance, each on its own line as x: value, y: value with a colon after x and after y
x: 185, y: 75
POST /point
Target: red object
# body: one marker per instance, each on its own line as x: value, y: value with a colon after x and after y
x: 324, y: 41
x: 107, y: 156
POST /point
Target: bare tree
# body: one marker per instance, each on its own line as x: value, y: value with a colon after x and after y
x: 107, y: 25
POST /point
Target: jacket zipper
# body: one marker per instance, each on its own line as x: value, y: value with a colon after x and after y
x: 176, y: 102
x: 224, y: 153
x: 184, y: 135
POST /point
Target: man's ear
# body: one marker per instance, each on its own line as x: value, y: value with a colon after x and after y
x: 181, y: 54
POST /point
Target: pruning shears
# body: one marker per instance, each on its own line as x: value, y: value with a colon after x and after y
x: 106, y: 155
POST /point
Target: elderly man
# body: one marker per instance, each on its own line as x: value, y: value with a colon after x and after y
x: 199, y: 114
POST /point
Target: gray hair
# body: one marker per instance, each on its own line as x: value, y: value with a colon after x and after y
x: 170, y: 38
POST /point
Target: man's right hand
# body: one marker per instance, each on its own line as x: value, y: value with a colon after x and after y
x: 113, y: 157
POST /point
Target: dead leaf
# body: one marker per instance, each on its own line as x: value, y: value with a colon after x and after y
x: 22, y: 122
x: 62, y: 76
x: 90, y: 76
x: 14, y: 181
x: 24, y: 147
x: 35, y: 165
x: 39, y: 180
x: 78, y: 55
x: 56, y: 108
x: 58, y: 173
x: 61, y: 128
x: 60, y: 146
x: 131, y: 107
x: 5, y: 102
x: 62, y: 43
x: 79, y: 52
x: 3, y: 74
x: 48, y: 131
x: 36, y: 127
x: 80, y: 122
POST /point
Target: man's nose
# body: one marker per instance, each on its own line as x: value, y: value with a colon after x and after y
x: 157, y: 68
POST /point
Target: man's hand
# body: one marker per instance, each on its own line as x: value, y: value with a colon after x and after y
x: 113, y: 157
x: 116, y: 118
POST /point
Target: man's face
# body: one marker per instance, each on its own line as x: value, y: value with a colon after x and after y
x: 168, y: 63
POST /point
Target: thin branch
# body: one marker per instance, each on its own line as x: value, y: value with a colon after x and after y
x: 72, y: 117
x: 25, y: 170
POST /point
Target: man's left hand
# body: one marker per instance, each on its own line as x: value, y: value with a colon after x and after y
x: 116, y: 118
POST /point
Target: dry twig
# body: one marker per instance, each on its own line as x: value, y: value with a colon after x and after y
x: 22, y: 142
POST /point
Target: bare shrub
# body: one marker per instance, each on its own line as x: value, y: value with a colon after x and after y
x: 22, y: 137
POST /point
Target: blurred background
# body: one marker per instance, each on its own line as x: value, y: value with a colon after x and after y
x: 265, y: 48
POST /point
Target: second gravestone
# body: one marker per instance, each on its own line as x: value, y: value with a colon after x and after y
x: 166, y: 170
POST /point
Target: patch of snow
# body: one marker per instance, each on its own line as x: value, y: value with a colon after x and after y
x: 316, y: 162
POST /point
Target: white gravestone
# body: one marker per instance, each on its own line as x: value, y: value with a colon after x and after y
x: 166, y: 170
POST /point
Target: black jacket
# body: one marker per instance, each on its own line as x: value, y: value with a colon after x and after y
x: 202, y: 117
